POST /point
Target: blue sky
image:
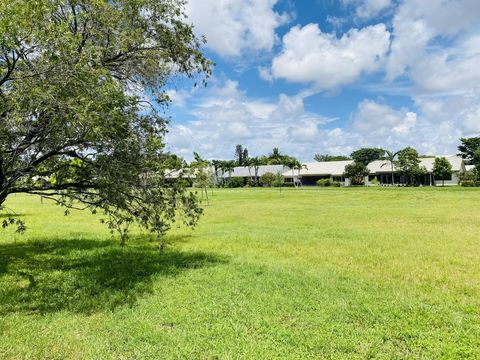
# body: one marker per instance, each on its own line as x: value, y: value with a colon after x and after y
x: 325, y: 76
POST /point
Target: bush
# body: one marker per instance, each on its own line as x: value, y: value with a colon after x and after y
x: 328, y: 182
x: 375, y: 181
x: 235, y: 182
x: 469, y: 179
x: 358, y: 182
x: 268, y: 179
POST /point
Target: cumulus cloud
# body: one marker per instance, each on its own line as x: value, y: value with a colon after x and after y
x: 311, y: 56
x: 436, y: 44
x: 379, y: 124
x: 222, y: 119
x: 234, y: 26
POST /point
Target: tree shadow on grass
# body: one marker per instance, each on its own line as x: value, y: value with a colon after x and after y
x: 85, y: 275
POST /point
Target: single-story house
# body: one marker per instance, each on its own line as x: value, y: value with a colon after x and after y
x: 380, y: 170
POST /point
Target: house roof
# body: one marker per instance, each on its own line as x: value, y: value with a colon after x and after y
x: 383, y: 166
x: 244, y: 171
x: 335, y: 168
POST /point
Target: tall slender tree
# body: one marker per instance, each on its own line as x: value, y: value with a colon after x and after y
x: 390, y: 156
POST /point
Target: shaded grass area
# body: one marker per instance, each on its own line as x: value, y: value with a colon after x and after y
x: 84, y: 275
x: 311, y: 273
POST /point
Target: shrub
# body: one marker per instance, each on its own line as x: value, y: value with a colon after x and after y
x: 469, y: 179
x: 358, y: 182
x: 375, y: 181
x: 235, y: 182
x: 328, y: 182
x: 268, y: 179
x: 324, y: 182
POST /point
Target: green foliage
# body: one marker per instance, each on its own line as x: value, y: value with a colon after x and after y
x: 375, y: 181
x: 469, y: 149
x: 328, y: 182
x: 356, y: 172
x: 470, y: 179
x: 268, y: 179
x: 442, y: 169
x: 367, y: 155
x: 241, y: 156
x: 72, y: 128
x: 409, y: 165
x: 235, y: 182
x: 327, y: 157
x: 278, y: 180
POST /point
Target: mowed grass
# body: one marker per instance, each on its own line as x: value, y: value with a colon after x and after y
x: 312, y: 273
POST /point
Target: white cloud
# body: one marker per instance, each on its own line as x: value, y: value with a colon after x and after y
x: 461, y: 112
x: 233, y: 26
x: 260, y: 125
x: 224, y: 118
x: 311, y: 56
x: 368, y: 9
x: 178, y: 97
x: 265, y: 74
x: 436, y: 44
x: 378, y: 123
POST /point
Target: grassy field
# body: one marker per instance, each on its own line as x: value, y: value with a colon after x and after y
x: 314, y: 273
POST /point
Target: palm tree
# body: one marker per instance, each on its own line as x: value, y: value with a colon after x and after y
x: 229, y: 166
x: 217, y: 165
x: 293, y: 164
x: 255, y: 162
x: 390, y: 156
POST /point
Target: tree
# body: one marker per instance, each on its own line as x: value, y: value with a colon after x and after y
x: 409, y: 164
x: 356, y: 172
x: 367, y: 155
x: 390, y: 156
x: 217, y: 166
x: 229, y: 167
x: 241, y: 155
x: 199, y: 169
x: 278, y: 181
x: 245, y: 157
x: 275, y: 157
x: 327, y: 157
x: 255, y: 162
x: 468, y: 148
x: 442, y: 169
x: 75, y: 125
x: 268, y: 179
x: 293, y: 164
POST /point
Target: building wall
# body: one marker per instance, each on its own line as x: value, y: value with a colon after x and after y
x: 455, y: 180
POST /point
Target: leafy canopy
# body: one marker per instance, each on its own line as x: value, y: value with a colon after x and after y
x: 367, y: 155
x: 76, y: 125
x: 327, y: 157
x: 469, y: 149
x: 356, y: 171
x: 442, y: 169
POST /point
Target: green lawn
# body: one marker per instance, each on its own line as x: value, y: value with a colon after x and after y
x: 320, y: 273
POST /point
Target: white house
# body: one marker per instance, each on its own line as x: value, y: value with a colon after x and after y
x: 380, y: 170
